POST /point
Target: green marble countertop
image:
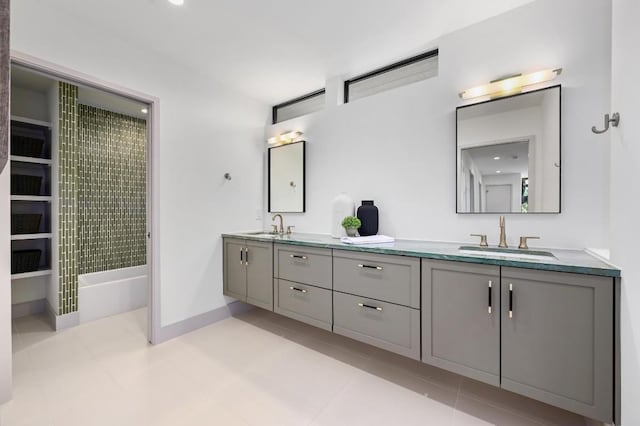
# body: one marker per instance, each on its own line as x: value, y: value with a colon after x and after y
x: 574, y: 261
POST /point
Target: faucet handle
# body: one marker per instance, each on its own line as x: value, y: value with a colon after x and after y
x: 289, y: 229
x: 483, y: 239
x: 523, y: 242
x: 274, y: 229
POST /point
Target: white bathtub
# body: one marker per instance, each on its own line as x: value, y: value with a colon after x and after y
x: 102, y: 294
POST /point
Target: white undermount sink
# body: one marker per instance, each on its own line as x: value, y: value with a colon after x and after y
x: 261, y: 234
x: 506, y: 253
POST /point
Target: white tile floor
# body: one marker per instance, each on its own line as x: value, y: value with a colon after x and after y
x: 256, y: 369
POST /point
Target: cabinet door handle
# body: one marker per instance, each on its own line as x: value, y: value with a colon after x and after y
x: 510, y: 300
x: 241, y: 256
x: 363, y: 305
x: 298, y: 256
x: 301, y: 290
x: 246, y: 256
x: 379, y: 268
x: 490, y: 304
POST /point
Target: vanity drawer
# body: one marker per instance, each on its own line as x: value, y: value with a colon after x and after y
x: 394, y: 279
x: 304, y: 303
x: 385, y: 325
x: 303, y: 265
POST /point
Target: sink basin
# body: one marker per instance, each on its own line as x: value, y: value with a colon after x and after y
x: 261, y: 234
x: 507, y: 253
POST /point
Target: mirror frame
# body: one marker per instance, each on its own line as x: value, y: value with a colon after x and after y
x: 559, y: 87
x: 304, y: 177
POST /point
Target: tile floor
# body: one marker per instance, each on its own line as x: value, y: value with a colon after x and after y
x: 255, y: 369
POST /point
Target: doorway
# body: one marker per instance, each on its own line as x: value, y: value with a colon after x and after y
x: 498, y: 198
x: 69, y: 315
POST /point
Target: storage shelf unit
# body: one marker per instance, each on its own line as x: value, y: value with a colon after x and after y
x: 39, y: 236
x: 27, y: 120
x: 36, y: 198
x: 40, y: 164
x: 32, y: 160
x: 33, y: 274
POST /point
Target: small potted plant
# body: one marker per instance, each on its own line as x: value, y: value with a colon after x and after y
x: 351, y: 225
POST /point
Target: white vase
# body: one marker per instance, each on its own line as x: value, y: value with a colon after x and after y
x: 341, y: 207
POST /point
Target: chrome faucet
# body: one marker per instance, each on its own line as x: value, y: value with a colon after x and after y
x: 281, y: 230
x: 503, y: 236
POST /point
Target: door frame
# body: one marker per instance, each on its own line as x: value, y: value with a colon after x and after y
x: 153, y: 169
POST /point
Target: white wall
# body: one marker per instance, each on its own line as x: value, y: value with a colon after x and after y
x: 549, y: 174
x: 205, y: 131
x: 398, y: 147
x: 29, y: 103
x: 625, y: 195
x: 514, y: 125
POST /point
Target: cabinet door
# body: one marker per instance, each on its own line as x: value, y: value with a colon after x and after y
x: 459, y: 331
x: 235, y: 271
x: 557, y: 344
x: 260, y: 274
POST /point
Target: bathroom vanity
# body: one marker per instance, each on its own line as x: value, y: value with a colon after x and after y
x: 541, y: 326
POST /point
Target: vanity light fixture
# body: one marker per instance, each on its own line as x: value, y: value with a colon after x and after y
x: 177, y: 2
x: 498, y: 171
x: 510, y: 84
x: 284, y: 138
x: 496, y: 158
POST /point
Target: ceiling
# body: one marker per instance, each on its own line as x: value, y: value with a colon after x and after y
x: 512, y: 157
x: 279, y: 49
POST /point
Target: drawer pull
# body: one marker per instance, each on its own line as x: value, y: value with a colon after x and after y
x: 510, y: 300
x: 241, y: 256
x: 490, y: 284
x: 298, y: 256
x: 301, y: 290
x: 379, y: 268
x: 363, y: 305
x: 246, y: 256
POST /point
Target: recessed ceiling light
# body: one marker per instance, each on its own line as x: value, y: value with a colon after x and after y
x: 496, y: 158
x: 177, y: 2
x: 498, y: 171
x: 144, y: 110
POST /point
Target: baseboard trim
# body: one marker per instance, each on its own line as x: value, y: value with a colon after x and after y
x: 191, y: 324
x: 62, y: 322
x: 28, y: 308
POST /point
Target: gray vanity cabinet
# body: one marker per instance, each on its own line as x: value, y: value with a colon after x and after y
x: 376, y: 300
x: 248, y: 271
x: 303, y: 284
x: 557, y: 339
x: 235, y: 271
x: 461, y: 318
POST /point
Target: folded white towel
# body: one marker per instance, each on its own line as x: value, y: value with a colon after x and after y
x: 372, y: 239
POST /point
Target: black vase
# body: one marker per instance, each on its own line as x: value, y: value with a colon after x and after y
x: 368, y: 215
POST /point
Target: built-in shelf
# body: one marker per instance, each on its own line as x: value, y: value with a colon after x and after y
x: 32, y: 160
x: 30, y: 121
x: 42, y: 198
x: 38, y: 273
x: 40, y: 236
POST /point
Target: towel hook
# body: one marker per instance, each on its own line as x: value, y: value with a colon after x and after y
x: 614, y: 120
x: 227, y: 176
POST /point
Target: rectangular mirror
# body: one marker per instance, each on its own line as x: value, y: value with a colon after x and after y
x: 287, y: 178
x: 508, y: 154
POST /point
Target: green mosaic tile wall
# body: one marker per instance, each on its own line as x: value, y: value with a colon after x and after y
x: 68, y: 207
x: 111, y: 190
